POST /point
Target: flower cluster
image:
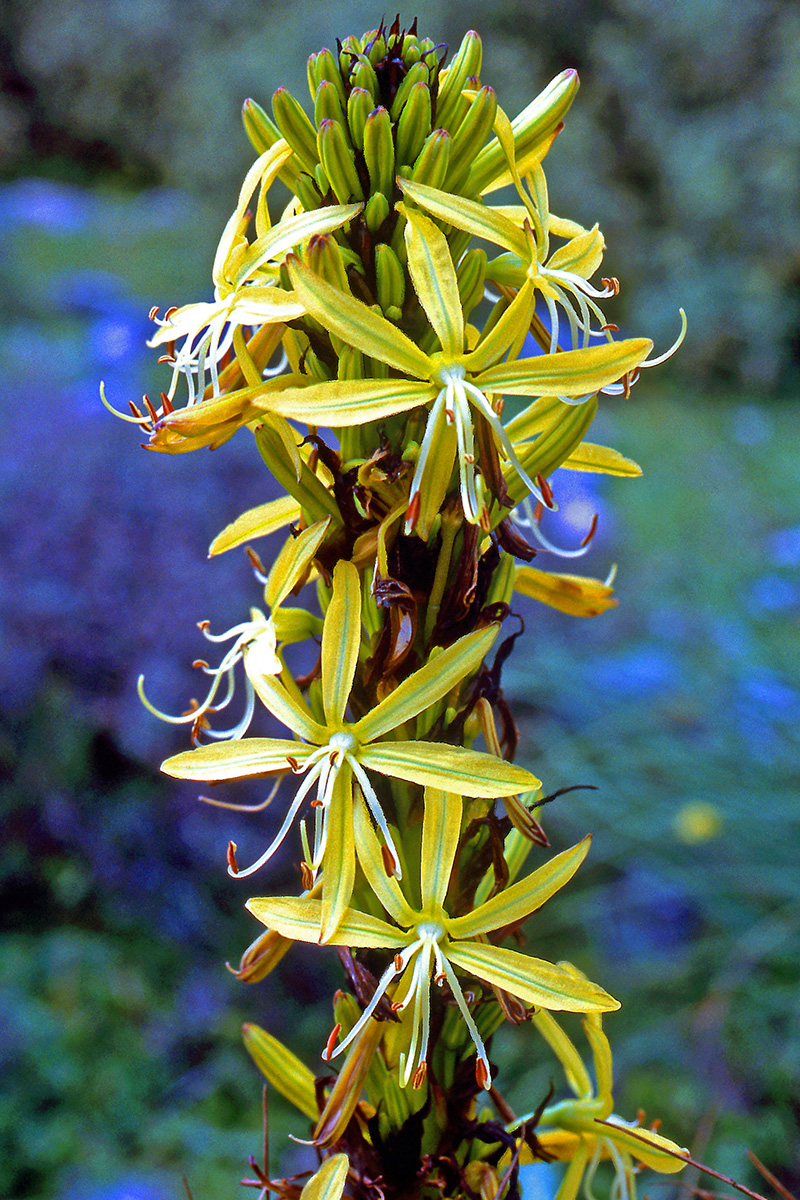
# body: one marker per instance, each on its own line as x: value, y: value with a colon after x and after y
x: 369, y: 345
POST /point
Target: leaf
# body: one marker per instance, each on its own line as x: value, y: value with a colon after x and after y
x: 517, y: 902
x: 427, y: 685
x: 256, y: 522
x: 452, y: 768
x: 282, y: 1069
x: 530, y: 979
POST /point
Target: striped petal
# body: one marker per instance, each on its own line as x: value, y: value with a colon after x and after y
x: 451, y: 768
x: 530, y: 979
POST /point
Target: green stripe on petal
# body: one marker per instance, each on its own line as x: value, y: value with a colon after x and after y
x: 522, y: 898
x: 341, y: 636
x: 293, y: 561
x: 530, y: 979
x: 284, y: 705
x: 356, y: 324
x: 604, y: 459
x: 467, y: 215
x: 328, y: 1182
x: 569, y: 372
x: 441, y: 829
x: 282, y: 1069
x: 452, y: 768
x: 301, y: 919
x: 370, y: 859
x: 427, y: 685
x: 430, y: 265
x: 339, y: 863
x: 338, y: 402
x: 242, y: 759
x: 293, y: 231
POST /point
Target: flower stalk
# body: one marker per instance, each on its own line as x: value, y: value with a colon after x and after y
x: 369, y: 337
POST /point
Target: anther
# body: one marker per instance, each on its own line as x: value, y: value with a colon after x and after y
x: 233, y: 866
x: 200, y: 662
x: 481, y: 1074
x: 388, y: 861
x: 547, y: 491
x: 592, y: 531
x: 419, y: 1076
x: 306, y: 876
x: 398, y: 963
x: 151, y: 316
x: 316, y: 803
x: 170, y: 312
x: 609, y: 327
x: 293, y: 763
x: 166, y: 358
x: 331, y: 1042
x: 166, y: 403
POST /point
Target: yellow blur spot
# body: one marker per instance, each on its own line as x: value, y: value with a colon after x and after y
x: 697, y: 822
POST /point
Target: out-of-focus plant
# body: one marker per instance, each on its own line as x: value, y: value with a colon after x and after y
x: 368, y: 345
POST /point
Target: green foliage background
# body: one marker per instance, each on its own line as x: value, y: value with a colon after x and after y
x: 122, y: 1065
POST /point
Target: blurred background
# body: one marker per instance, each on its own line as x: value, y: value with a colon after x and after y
x: 121, y: 154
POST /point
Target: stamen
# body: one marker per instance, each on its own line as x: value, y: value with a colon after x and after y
x: 233, y: 866
x: 420, y: 1075
x: 327, y: 1053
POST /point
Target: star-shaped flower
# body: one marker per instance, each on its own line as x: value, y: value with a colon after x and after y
x: 429, y: 944
x: 584, y: 1130
x: 245, y: 278
x: 334, y: 753
x: 459, y: 384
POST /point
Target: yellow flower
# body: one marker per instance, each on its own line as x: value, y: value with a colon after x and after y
x: 429, y: 944
x: 584, y: 1130
x: 455, y: 381
x: 334, y: 753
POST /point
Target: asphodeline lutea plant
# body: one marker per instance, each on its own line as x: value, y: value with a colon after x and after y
x: 367, y: 333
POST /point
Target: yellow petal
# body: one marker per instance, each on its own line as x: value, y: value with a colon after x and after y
x: 356, y: 324
x: 582, y: 255
x: 441, y: 829
x: 339, y: 862
x: 567, y: 373
x: 604, y: 459
x: 341, y: 637
x: 370, y: 859
x: 530, y: 979
x: 328, y: 1182
x: 427, y: 685
x: 572, y: 594
x: 293, y: 231
x: 284, y: 702
x: 652, y: 1149
x: 256, y: 522
x: 340, y: 402
x: 282, y: 1069
x: 301, y: 920
x: 489, y: 224
x: 243, y: 759
x: 293, y: 561
x: 517, y: 902
x: 433, y: 275
x: 452, y: 768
